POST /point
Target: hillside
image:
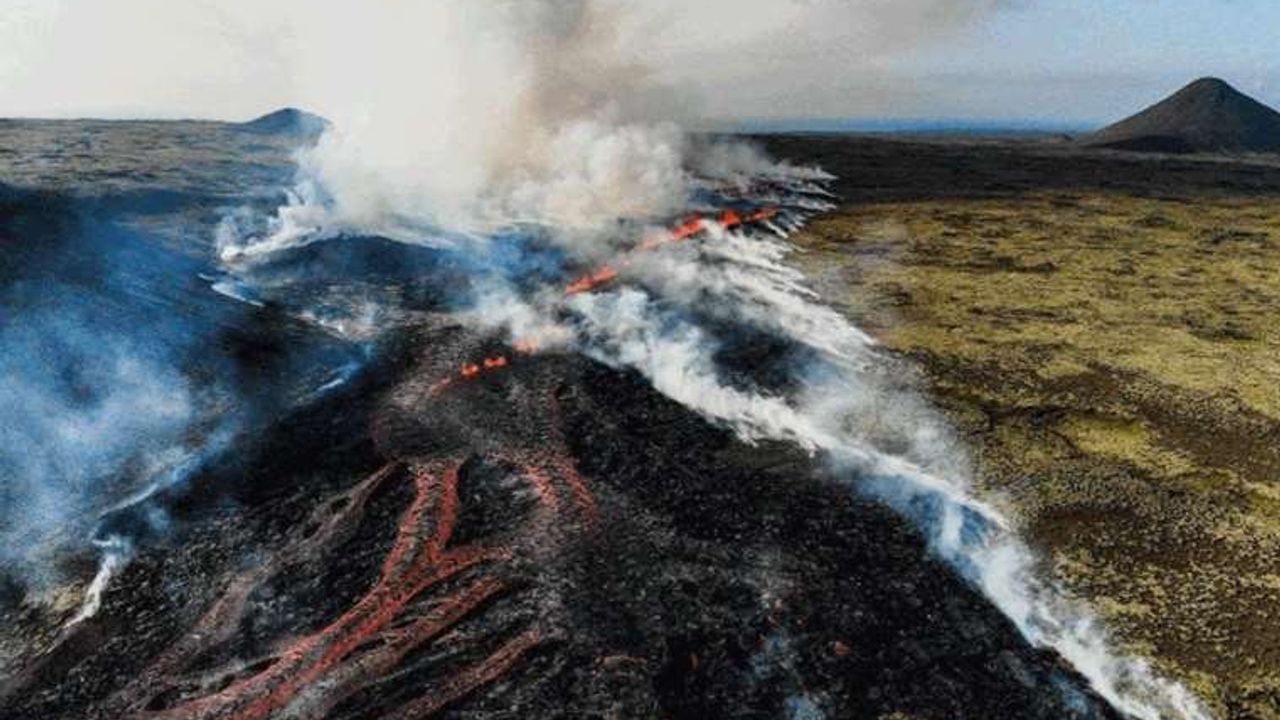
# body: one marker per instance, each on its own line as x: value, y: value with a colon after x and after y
x: 290, y: 121
x: 1208, y: 115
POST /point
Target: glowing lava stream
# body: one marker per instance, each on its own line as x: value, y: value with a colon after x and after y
x: 417, y: 561
x: 993, y: 560
x: 728, y: 220
x: 471, y: 371
x: 389, y: 622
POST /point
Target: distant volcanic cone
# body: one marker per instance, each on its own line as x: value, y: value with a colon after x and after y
x: 1206, y: 116
x: 287, y: 121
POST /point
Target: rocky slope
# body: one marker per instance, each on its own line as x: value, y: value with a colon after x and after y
x: 1204, y: 117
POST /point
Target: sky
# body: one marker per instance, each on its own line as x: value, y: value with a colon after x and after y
x: 1062, y: 61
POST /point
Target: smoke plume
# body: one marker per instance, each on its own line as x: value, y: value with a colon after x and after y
x: 473, y: 115
x: 232, y: 59
x: 77, y: 409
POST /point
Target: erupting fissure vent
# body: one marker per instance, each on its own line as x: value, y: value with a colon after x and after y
x: 474, y: 567
x: 727, y: 220
x: 690, y: 228
x: 489, y: 365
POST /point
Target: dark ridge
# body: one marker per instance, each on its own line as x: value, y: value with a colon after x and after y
x: 287, y: 121
x: 1206, y: 116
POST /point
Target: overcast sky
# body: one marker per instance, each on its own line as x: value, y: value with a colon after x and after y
x: 1057, y: 60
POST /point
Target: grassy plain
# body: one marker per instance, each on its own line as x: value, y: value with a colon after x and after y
x: 1104, y: 330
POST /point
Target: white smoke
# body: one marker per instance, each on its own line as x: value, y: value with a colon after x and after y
x: 115, y: 554
x: 521, y: 112
x: 232, y: 59
x: 880, y: 436
x: 74, y: 401
x: 475, y: 114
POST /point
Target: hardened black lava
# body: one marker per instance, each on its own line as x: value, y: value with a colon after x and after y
x: 552, y: 540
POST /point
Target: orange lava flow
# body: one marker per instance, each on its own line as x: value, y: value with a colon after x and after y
x: 587, y: 283
x: 559, y: 458
x: 541, y: 468
x: 471, y: 371
x: 425, y: 587
x: 366, y: 644
x: 418, y: 560
x: 462, y: 684
x: 728, y: 220
x: 220, y: 621
x: 581, y: 493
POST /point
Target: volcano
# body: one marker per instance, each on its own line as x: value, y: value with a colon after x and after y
x: 287, y: 121
x: 1207, y: 115
x: 424, y: 516
x: 555, y: 540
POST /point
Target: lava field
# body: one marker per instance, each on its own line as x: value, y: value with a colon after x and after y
x: 469, y: 527
x: 554, y: 540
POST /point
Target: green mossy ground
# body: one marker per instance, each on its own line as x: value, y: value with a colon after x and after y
x: 1114, y: 361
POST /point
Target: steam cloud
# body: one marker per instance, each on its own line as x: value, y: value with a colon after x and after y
x: 119, y: 381
x: 473, y: 115
x: 77, y: 409
x: 105, y: 397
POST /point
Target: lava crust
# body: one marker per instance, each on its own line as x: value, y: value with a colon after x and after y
x: 549, y: 539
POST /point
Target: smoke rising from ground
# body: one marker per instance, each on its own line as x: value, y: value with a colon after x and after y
x: 882, y: 437
x: 472, y: 115
x: 516, y: 112
x: 121, y: 378
x: 82, y: 410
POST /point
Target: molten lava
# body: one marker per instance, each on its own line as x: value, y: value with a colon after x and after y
x: 426, y: 587
x: 727, y: 220
x: 590, y: 282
